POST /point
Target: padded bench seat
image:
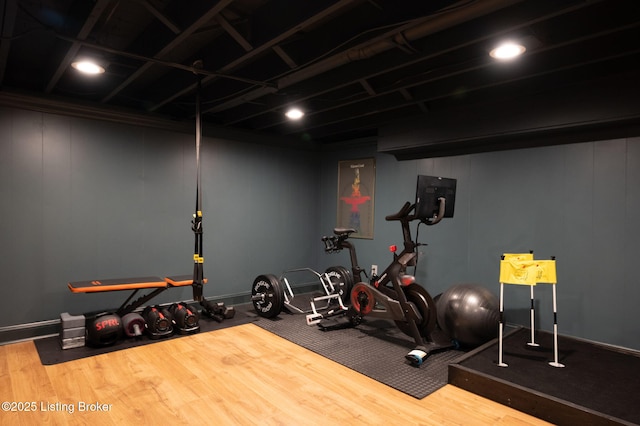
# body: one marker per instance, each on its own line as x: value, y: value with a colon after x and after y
x: 117, y: 284
x: 156, y: 284
x: 137, y: 283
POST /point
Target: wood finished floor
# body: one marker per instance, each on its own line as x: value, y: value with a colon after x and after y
x: 234, y: 376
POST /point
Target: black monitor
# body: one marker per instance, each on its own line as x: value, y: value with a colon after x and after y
x: 428, y: 190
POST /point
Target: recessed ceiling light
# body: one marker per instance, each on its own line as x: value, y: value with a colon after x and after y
x: 87, y: 67
x: 294, y: 114
x: 507, y: 51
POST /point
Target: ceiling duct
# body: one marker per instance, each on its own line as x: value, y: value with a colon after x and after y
x: 457, y: 14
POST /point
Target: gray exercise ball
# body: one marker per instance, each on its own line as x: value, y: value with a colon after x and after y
x: 469, y: 314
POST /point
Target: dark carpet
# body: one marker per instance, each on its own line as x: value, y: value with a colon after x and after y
x: 376, y: 348
x: 601, y: 379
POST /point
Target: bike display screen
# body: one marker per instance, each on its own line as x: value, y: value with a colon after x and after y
x: 428, y: 190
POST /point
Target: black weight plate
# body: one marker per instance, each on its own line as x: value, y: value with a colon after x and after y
x: 425, y: 305
x: 349, y: 282
x: 341, y: 280
x: 272, y: 295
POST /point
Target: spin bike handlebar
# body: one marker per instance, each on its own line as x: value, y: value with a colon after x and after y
x: 437, y: 218
x: 404, y: 216
x: 337, y: 242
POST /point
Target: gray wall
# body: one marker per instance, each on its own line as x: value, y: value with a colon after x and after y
x: 83, y: 199
x: 577, y: 202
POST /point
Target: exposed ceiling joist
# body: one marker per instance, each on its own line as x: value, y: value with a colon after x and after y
x: 352, y: 65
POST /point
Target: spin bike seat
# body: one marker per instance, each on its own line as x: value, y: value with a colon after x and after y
x: 343, y: 231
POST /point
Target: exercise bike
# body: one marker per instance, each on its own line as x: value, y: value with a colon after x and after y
x: 393, y: 295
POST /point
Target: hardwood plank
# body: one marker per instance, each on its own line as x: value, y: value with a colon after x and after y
x: 6, y: 394
x: 29, y: 387
x: 239, y: 375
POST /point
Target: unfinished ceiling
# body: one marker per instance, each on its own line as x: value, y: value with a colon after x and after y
x: 350, y: 65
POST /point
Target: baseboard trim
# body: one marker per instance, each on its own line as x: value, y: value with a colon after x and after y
x: 30, y: 331
x: 48, y: 328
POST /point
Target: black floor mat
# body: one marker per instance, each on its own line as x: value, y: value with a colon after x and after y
x: 51, y: 352
x: 376, y: 348
x: 600, y: 378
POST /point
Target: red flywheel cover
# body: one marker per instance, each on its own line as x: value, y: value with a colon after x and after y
x: 362, y: 298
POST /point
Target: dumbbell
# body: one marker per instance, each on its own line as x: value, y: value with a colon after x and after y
x: 185, y: 317
x: 133, y: 324
x: 158, y: 320
x: 218, y: 311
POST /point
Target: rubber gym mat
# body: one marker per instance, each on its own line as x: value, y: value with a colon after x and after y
x: 51, y: 352
x: 376, y: 348
x: 597, y: 379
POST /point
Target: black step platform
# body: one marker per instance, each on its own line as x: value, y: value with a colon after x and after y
x: 599, y: 384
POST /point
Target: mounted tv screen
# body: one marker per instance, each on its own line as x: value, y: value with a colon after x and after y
x: 428, y: 190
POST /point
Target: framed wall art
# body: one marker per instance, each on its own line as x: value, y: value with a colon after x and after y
x: 356, y: 188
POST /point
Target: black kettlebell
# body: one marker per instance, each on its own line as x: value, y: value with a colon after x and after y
x: 103, y: 329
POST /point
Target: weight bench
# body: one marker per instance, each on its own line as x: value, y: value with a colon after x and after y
x: 156, y: 284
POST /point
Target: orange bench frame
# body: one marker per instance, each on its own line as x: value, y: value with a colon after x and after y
x: 135, y: 284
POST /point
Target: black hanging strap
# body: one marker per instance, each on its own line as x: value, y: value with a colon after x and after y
x: 198, y: 259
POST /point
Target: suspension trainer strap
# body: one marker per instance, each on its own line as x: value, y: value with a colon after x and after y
x: 198, y: 259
